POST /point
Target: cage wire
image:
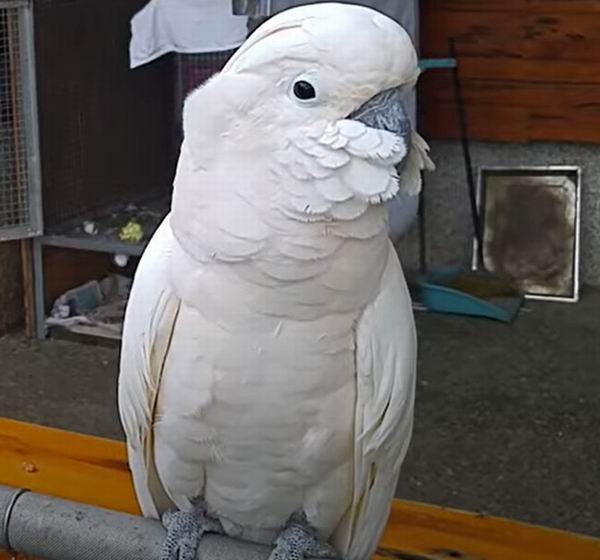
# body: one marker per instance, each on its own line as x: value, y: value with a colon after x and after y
x: 78, y: 195
x: 105, y: 130
x: 192, y: 71
x: 14, y: 179
x: 104, y: 134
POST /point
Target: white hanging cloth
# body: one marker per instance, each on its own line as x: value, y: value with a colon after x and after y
x: 184, y: 26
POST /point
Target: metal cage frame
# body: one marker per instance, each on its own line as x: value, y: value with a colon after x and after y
x: 34, y: 228
x: 23, y: 188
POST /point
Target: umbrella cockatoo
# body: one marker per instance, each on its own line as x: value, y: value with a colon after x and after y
x: 268, y: 357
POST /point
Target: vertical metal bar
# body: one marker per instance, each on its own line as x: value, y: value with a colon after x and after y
x: 179, y: 94
x: 422, y: 194
x: 422, y: 228
x: 28, y: 288
x: 30, y: 115
x: 577, y: 272
x: 38, y: 281
x: 179, y: 90
x: 464, y: 138
x: 13, y: 17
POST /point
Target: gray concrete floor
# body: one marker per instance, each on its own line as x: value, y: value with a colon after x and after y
x: 507, y: 420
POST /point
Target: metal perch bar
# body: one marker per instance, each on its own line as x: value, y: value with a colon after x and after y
x: 45, y: 527
x: 92, y: 470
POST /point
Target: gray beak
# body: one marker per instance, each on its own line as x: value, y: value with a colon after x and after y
x: 386, y: 111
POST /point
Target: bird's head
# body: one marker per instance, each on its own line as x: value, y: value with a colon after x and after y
x: 305, y: 65
x: 314, y: 95
x: 323, y: 61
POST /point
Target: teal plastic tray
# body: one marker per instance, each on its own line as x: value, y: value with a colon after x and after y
x: 437, y: 296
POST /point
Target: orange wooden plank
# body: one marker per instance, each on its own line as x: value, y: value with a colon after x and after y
x: 575, y: 99
x: 542, y: 56
x: 562, y: 37
x: 448, y: 533
x: 497, y: 124
x: 552, y: 36
x: 505, y: 110
x: 566, y: 128
x: 531, y: 6
x: 475, y: 33
x: 94, y: 471
x: 66, y: 465
x: 518, y: 70
x: 501, y: 124
x: 506, y: 125
x: 431, y: 7
x: 559, y: 6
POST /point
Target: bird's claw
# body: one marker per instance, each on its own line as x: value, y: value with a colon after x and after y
x: 298, y: 541
x: 184, y: 531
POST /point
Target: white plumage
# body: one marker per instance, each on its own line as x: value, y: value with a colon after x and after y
x: 268, y: 357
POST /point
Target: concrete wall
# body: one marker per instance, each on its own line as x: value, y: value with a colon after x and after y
x: 11, y: 289
x: 449, y: 234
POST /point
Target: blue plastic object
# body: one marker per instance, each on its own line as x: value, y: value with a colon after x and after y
x: 501, y: 302
x: 433, y: 63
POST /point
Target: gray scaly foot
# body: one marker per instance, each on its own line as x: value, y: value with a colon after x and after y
x: 184, y: 531
x: 298, y: 541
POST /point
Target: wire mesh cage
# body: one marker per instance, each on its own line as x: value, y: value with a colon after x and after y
x: 192, y: 71
x: 105, y: 129
x: 19, y: 176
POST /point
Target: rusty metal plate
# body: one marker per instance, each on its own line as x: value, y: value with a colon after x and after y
x: 530, y: 228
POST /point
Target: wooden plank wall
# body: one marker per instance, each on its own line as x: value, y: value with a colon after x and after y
x: 530, y: 69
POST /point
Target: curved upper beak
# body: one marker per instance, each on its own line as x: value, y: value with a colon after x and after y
x: 386, y: 111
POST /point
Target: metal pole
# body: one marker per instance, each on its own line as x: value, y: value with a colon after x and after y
x: 464, y: 139
x: 38, y: 288
x: 422, y: 228
x: 34, y: 170
x: 45, y: 527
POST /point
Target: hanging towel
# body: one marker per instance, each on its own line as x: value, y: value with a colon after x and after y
x: 184, y: 26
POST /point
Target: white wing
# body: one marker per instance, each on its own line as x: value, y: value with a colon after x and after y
x: 386, y: 351
x: 149, y: 322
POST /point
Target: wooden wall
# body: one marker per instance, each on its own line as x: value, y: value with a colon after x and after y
x: 65, y: 269
x: 530, y: 69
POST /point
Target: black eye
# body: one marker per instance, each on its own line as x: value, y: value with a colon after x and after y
x: 303, y: 90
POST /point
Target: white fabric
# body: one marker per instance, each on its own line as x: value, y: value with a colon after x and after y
x: 184, y: 26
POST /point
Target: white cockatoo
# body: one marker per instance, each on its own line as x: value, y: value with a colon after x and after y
x: 268, y: 358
